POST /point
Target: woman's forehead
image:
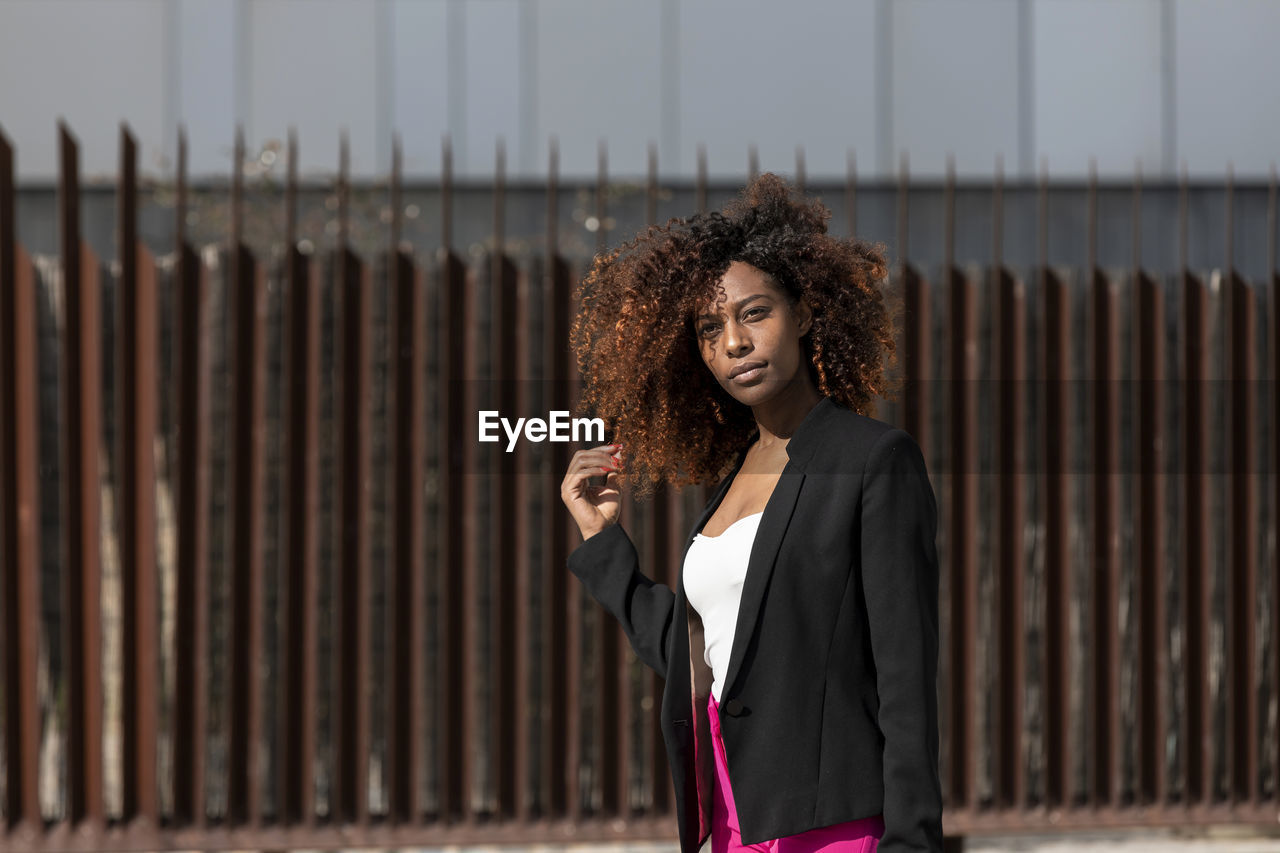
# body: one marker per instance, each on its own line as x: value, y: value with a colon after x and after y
x: 739, y: 282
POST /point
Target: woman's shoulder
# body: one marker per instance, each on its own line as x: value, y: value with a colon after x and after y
x: 840, y: 439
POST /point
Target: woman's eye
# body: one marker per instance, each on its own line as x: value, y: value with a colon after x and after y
x: 706, y: 330
x: 753, y: 312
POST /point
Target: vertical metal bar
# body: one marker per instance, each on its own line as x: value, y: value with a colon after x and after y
x: 248, y: 301
x: 136, y: 384
x: 964, y: 518
x: 297, y: 723
x: 352, y: 710
x: 19, y: 498
x: 82, y: 396
x: 660, y: 530
x: 459, y: 588
x: 962, y: 331
x: 190, y: 624
x: 1197, y: 600
x: 561, y: 767
x: 800, y: 170
x: 454, y: 741
x: 612, y: 677
x: 450, y: 748
x: 1010, y: 345
x: 753, y: 163
x: 517, y: 286
x: 1057, y: 441
x: 507, y: 704
x: 1273, y: 274
x: 1242, y: 706
x: 517, y: 788
x: 1149, y: 586
x: 564, y: 308
x: 1105, y: 426
x: 422, y: 432
x: 408, y: 632
x: 618, y: 742
x: 472, y: 465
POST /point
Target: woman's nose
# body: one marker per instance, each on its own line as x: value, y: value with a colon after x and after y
x: 736, y: 340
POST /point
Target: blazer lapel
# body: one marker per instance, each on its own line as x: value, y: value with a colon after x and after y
x: 764, y: 553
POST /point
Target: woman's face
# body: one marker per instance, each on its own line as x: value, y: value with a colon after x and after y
x: 750, y: 340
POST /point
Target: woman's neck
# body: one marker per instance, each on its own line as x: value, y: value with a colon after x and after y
x: 778, y: 418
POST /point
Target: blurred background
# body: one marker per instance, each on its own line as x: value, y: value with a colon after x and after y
x: 1164, y: 81
x: 262, y: 260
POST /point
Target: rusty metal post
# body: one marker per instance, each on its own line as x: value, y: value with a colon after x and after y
x: 663, y: 546
x: 562, y: 594
x: 190, y: 624
x: 352, y: 713
x: 962, y: 559
x: 19, y: 502
x: 247, y: 291
x: 1056, y: 441
x: 1197, y: 565
x: 1273, y: 284
x: 1243, y: 748
x: 508, y: 567
x: 1104, y: 415
x: 1010, y: 329
x: 136, y: 396
x: 298, y: 678
x: 82, y: 405
x: 1149, y: 523
x: 456, y: 578
x: 408, y: 631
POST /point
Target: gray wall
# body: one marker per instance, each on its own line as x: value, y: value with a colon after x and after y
x: 1166, y: 81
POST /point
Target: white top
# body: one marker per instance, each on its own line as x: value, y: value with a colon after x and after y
x: 714, y: 569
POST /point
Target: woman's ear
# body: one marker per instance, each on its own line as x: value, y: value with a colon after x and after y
x: 804, y: 316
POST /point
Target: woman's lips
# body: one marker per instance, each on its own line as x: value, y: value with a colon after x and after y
x: 749, y: 376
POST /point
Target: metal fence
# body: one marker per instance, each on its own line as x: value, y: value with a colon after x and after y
x: 262, y: 589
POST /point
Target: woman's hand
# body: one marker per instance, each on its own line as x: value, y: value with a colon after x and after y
x: 593, y: 507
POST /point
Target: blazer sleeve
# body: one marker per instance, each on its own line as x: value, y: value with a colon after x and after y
x: 900, y: 578
x: 608, y: 567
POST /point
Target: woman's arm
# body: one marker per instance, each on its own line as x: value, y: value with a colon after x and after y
x: 900, y: 577
x: 609, y: 568
x: 606, y: 561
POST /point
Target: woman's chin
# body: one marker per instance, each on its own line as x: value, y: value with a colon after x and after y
x: 752, y: 395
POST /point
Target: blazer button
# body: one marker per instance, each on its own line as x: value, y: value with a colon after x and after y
x: 733, y: 707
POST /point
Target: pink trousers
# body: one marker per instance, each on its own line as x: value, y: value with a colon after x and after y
x: 856, y: 836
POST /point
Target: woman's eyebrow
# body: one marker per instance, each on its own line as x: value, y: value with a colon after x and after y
x: 737, y: 306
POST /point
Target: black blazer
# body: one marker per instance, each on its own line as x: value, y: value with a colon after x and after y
x: 830, y: 708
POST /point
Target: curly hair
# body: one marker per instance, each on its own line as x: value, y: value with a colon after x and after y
x: 638, y: 355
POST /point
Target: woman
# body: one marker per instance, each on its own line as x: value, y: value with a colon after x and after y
x: 799, y: 648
